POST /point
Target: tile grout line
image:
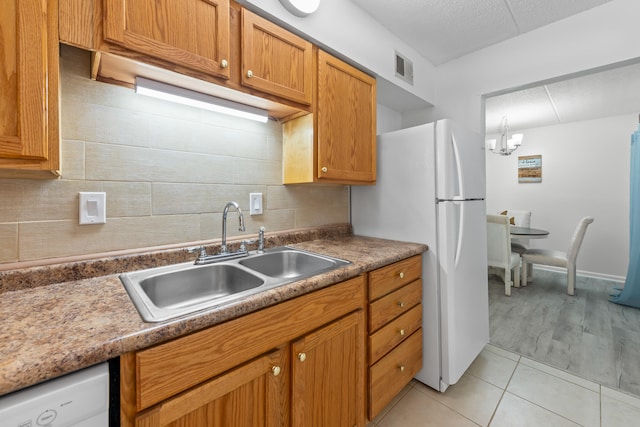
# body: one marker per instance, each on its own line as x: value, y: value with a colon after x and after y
x: 600, y: 401
x: 547, y: 409
x: 504, y: 390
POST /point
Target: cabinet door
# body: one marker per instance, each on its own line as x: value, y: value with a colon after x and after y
x: 191, y: 33
x: 255, y: 394
x: 328, y: 376
x: 275, y: 61
x: 346, y: 122
x: 28, y: 84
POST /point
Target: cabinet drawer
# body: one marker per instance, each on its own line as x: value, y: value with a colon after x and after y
x: 389, y: 278
x: 398, y: 330
x: 393, y: 372
x: 393, y: 305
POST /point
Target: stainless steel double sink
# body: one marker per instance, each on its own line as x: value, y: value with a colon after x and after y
x: 165, y: 293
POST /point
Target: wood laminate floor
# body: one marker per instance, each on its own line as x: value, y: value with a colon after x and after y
x: 583, y: 334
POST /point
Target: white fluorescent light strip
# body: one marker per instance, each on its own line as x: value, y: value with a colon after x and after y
x: 200, y: 100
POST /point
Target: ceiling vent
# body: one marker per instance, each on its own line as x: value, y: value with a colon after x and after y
x: 404, y: 68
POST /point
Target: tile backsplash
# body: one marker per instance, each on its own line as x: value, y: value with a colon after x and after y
x: 167, y: 170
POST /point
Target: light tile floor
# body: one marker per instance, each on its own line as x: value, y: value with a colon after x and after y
x: 502, y: 388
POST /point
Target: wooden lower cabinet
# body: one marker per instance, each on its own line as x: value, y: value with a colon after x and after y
x: 327, y: 375
x: 299, y: 363
x: 395, y: 330
x: 255, y: 394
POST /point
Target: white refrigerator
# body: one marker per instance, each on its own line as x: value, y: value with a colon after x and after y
x: 430, y: 189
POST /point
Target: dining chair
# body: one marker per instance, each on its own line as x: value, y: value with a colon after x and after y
x: 499, y: 254
x: 521, y: 218
x: 559, y: 258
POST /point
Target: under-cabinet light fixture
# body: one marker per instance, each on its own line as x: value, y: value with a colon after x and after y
x: 197, y: 99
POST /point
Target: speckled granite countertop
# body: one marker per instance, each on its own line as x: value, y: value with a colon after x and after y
x: 51, y: 330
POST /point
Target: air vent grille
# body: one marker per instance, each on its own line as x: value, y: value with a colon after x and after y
x: 404, y: 68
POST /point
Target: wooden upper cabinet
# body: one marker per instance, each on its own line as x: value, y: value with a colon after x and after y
x: 29, y: 80
x: 337, y: 144
x: 276, y: 61
x: 191, y: 33
x: 346, y: 122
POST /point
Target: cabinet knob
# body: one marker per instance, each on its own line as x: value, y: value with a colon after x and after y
x: 401, y: 332
x: 324, y: 169
x: 401, y: 367
x: 224, y: 63
x: 402, y: 274
x: 275, y: 370
x: 249, y: 73
x: 400, y: 304
x: 302, y: 357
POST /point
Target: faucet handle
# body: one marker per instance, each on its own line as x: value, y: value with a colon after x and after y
x: 243, y: 243
x: 202, y: 252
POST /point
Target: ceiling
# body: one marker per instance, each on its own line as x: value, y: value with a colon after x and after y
x: 442, y: 30
x: 606, y: 93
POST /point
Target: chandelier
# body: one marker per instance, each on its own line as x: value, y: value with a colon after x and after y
x: 506, y: 145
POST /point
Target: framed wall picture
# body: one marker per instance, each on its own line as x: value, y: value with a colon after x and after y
x: 530, y: 168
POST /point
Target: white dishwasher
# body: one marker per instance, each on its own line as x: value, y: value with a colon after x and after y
x: 78, y: 399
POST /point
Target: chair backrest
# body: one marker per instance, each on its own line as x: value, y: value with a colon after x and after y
x: 498, y: 241
x: 520, y: 218
x: 576, y: 239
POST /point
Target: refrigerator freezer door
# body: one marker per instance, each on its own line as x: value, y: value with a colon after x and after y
x: 460, y: 162
x: 464, y: 295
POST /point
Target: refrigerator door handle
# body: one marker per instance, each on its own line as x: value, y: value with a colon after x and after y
x: 457, y: 165
x: 461, y: 230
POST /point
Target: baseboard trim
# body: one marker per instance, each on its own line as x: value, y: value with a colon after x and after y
x: 583, y: 273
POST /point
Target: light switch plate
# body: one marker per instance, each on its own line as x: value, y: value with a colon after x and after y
x: 255, y: 203
x: 93, y: 208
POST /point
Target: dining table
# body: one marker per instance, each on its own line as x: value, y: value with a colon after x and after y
x: 528, y: 233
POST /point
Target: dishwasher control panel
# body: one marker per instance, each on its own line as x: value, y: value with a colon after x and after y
x: 79, y: 399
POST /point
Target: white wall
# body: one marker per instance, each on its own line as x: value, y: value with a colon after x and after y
x: 598, y: 37
x: 387, y: 120
x: 585, y: 172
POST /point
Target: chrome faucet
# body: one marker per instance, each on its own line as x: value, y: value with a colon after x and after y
x: 223, y: 248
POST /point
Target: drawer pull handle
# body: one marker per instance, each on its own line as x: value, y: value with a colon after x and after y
x: 401, y: 332
x: 302, y: 357
x: 249, y: 73
x: 402, y: 274
x: 324, y: 169
x: 400, y: 304
x: 275, y: 370
x: 401, y: 368
x: 224, y: 63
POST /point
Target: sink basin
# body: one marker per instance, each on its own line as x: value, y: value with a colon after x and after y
x: 291, y: 264
x: 191, y: 286
x: 165, y: 293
